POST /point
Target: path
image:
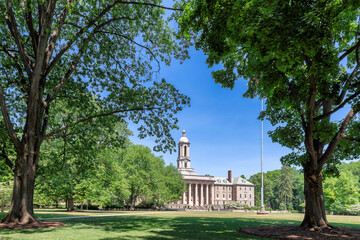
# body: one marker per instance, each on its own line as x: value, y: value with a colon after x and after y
x: 107, y: 215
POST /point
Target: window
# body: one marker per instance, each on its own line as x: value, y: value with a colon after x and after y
x: 250, y: 196
x: 229, y: 188
x: 240, y: 195
x: 229, y: 195
x: 240, y: 188
x: 250, y: 203
x: 217, y: 196
x: 223, y: 187
x: 217, y: 202
x: 185, y: 165
x: 223, y: 195
x: 185, y: 151
x: 245, y: 195
x: 245, y: 188
x: 250, y: 188
x: 217, y: 188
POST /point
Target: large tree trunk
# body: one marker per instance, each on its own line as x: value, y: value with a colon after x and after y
x: 315, y: 216
x: 21, y: 209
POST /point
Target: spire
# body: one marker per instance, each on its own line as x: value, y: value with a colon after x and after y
x: 184, y: 133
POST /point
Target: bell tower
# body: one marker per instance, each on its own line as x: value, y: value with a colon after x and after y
x: 183, y: 161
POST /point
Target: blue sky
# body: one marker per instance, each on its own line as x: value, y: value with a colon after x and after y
x: 221, y: 124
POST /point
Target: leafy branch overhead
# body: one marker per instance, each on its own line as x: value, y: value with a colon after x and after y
x: 109, y: 48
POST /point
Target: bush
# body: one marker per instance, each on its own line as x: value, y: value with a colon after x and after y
x: 236, y: 205
x: 354, y: 209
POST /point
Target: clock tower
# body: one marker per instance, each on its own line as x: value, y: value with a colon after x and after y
x: 183, y: 161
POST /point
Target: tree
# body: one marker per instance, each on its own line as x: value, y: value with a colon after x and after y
x: 340, y: 193
x: 303, y: 58
x: 285, y: 186
x: 149, y: 181
x: 80, y: 166
x: 268, y: 189
x: 62, y: 50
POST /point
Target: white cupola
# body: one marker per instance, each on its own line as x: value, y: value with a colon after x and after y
x: 184, y: 152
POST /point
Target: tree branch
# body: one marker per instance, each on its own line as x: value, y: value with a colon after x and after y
x: 29, y: 21
x: 55, y: 34
x: 350, y: 138
x: 294, y: 95
x: 335, y: 140
x: 49, y: 135
x: 350, y: 50
x: 21, y: 84
x: 7, y: 160
x: 57, y: 88
x: 11, y: 22
x: 7, y: 121
x: 134, y: 42
x: 338, y: 107
x: 92, y: 22
x: 78, y: 34
x: 151, y: 5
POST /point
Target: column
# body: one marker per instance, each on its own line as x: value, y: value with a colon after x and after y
x: 212, y: 194
x: 201, y: 195
x: 183, y: 198
x: 189, y: 199
x: 207, y: 194
x: 196, y: 196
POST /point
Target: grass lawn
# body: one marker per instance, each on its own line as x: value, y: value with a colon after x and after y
x: 161, y: 225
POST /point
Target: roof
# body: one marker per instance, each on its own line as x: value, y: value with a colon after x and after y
x: 235, y: 181
x: 222, y: 180
x: 183, y: 139
x: 241, y: 181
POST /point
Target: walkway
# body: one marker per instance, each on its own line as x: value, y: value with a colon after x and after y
x: 107, y: 215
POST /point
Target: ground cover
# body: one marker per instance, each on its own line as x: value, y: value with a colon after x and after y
x: 163, y: 225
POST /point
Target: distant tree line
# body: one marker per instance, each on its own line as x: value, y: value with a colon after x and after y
x: 98, y: 167
x: 284, y: 189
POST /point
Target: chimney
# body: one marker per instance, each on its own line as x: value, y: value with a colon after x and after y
x: 229, y: 176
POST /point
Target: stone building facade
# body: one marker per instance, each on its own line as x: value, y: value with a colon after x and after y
x: 204, y: 191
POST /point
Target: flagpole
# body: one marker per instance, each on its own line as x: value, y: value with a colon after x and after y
x: 262, y: 156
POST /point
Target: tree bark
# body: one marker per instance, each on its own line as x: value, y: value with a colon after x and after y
x: 21, y: 209
x: 315, y: 216
x: 70, y: 204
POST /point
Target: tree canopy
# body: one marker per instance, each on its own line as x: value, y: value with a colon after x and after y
x: 303, y: 58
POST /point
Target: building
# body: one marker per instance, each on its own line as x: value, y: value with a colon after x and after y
x: 205, y: 191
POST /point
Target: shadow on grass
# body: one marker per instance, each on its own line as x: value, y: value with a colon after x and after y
x: 151, y: 227
x: 167, y: 227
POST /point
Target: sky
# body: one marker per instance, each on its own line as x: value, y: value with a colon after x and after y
x: 221, y: 124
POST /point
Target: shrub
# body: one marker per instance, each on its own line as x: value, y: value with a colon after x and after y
x: 354, y: 209
x: 236, y: 205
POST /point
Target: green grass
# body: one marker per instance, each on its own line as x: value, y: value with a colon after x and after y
x: 163, y: 225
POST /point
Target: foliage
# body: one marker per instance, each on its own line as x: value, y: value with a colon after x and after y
x: 81, y: 166
x: 354, y: 209
x: 268, y: 189
x: 340, y: 193
x: 273, y: 197
x: 236, y: 205
x: 286, y: 187
x: 150, y: 183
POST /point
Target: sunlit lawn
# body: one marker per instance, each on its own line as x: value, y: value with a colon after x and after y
x: 161, y: 225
